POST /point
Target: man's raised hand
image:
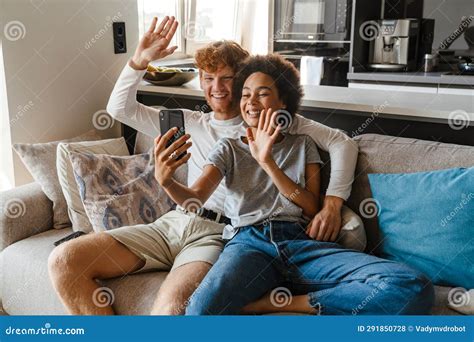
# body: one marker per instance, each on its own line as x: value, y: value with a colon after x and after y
x: 154, y: 43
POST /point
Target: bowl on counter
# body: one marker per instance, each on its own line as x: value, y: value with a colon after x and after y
x: 171, y: 77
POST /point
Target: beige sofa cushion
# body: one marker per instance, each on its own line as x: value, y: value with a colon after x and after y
x: 27, y: 290
x: 40, y: 160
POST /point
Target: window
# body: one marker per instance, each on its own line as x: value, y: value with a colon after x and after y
x: 147, y: 9
x: 210, y: 20
x: 201, y: 21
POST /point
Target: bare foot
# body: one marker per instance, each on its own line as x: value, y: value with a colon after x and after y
x: 275, y: 301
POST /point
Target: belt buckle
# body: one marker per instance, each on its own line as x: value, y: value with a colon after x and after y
x: 200, y: 212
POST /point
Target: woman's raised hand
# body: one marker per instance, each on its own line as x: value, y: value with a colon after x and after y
x: 154, y: 43
x: 261, y: 141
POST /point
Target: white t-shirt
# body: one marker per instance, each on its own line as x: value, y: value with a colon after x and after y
x: 205, y: 131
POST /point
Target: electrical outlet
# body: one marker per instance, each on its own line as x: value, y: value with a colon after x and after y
x: 120, y: 40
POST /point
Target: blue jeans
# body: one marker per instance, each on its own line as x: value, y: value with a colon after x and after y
x: 338, y: 281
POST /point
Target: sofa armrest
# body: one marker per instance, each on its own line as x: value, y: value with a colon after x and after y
x: 26, y: 211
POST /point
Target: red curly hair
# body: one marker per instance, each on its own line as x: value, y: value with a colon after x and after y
x: 220, y: 53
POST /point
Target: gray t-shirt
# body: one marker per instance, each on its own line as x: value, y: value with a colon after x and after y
x: 251, y: 196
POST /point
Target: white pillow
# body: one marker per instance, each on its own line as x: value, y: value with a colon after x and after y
x: 76, y: 211
x: 352, y: 234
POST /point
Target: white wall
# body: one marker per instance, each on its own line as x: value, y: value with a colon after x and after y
x: 6, y: 170
x: 57, y: 73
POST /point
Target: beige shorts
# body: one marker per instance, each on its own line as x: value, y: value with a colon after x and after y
x: 173, y: 240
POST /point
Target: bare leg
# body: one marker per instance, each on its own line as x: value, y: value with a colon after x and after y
x: 178, y: 286
x: 266, y: 304
x: 74, y: 266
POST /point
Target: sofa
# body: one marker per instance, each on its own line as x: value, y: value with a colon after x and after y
x: 27, y: 241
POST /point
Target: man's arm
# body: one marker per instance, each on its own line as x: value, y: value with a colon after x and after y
x: 123, y: 105
x: 343, y: 152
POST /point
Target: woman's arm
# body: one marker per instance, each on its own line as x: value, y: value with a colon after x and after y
x: 261, y: 141
x: 200, y: 191
x: 166, y: 165
x: 306, y: 198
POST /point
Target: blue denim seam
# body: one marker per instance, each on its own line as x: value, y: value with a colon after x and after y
x: 270, y: 229
x: 380, y: 278
x: 327, y: 282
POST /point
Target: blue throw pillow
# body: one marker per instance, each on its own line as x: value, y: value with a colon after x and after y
x: 426, y: 220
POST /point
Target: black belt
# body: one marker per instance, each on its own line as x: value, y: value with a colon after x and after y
x: 210, y: 215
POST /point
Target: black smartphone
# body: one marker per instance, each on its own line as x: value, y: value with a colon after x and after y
x: 69, y: 237
x: 170, y: 118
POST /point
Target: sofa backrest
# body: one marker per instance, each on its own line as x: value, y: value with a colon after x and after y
x: 378, y: 154
x: 387, y: 154
x: 143, y: 143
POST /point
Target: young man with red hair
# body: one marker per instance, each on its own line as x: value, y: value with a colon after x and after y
x: 183, y: 243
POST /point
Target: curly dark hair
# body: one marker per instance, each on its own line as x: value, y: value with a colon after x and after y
x: 283, y: 72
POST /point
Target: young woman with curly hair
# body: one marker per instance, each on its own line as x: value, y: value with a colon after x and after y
x: 270, y: 263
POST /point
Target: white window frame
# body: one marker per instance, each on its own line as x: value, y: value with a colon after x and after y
x: 193, y: 45
x: 186, y: 13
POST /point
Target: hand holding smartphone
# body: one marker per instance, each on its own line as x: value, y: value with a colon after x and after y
x: 170, y: 118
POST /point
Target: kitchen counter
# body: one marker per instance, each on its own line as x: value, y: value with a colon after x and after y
x: 392, y: 104
x: 435, y: 78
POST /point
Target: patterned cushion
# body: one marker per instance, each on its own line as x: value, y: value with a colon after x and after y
x: 119, y: 191
x: 77, y: 213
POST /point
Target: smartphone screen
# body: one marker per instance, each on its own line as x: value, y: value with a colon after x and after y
x: 170, y: 118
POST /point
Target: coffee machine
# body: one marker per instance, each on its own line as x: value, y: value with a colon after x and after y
x: 395, y: 47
